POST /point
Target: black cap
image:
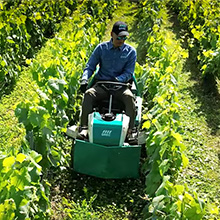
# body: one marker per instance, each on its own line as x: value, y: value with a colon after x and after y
x: 120, y: 29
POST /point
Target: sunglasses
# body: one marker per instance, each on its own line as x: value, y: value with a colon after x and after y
x: 121, y: 38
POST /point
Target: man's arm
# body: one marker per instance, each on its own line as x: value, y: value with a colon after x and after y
x: 91, y: 64
x: 128, y: 69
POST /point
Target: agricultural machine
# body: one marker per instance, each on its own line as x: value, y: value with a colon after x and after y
x: 107, y: 153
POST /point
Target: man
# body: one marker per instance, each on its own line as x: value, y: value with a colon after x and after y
x: 116, y: 62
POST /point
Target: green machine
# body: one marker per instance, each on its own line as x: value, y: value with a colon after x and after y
x: 106, y: 153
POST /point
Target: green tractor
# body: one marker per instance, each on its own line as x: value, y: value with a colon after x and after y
x: 106, y: 153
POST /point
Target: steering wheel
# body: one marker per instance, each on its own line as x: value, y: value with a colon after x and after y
x: 112, y: 87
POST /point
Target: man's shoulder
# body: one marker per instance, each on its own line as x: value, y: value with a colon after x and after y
x: 130, y: 48
x: 104, y: 44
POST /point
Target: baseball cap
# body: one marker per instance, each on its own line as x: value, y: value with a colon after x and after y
x: 120, y: 29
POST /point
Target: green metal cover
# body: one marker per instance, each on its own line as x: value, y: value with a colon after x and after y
x: 109, y: 162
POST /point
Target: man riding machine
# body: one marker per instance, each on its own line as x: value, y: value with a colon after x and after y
x: 106, y: 145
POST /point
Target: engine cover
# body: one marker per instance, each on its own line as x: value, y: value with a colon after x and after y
x: 108, y: 133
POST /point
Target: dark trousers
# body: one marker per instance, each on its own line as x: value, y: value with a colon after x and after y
x: 97, y: 93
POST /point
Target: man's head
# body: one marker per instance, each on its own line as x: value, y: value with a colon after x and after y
x: 119, y: 33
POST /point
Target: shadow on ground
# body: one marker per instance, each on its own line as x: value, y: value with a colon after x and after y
x: 126, y: 195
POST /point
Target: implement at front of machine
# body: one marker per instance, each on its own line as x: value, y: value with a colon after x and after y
x: 107, y: 153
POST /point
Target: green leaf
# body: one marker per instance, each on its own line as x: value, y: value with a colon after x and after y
x: 177, y: 136
x: 153, y: 181
x: 3, y: 63
x: 8, y: 161
x: 157, y: 204
x: 83, y: 54
x: 185, y: 160
x: 37, y: 15
x: 7, y: 210
x: 20, y: 157
x: 65, y: 97
x: 35, y: 175
x: 21, y: 113
x: 24, y: 207
x: 35, y: 119
x: 157, y: 124
x: 164, y: 166
x: 65, y: 120
x: 178, y: 190
x: 197, y: 34
x: 157, y: 200
x: 21, y: 178
x: 22, y: 18
x: 213, y: 209
x: 9, y: 39
x: 35, y: 156
x: 54, y: 85
x: 57, y: 85
x: 146, y: 124
x: 42, y: 94
x: 37, y: 116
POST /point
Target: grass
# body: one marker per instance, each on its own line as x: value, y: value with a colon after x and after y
x: 200, y: 120
x: 11, y: 132
x: 114, y: 199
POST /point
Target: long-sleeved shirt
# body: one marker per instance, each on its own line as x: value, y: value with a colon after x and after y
x: 114, y: 63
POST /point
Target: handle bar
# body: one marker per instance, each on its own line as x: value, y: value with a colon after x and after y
x: 112, y: 86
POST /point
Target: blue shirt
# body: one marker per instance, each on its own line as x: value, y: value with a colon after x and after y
x: 113, y: 62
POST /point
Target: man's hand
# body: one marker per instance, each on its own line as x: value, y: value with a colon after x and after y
x: 128, y: 84
x: 83, y: 86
